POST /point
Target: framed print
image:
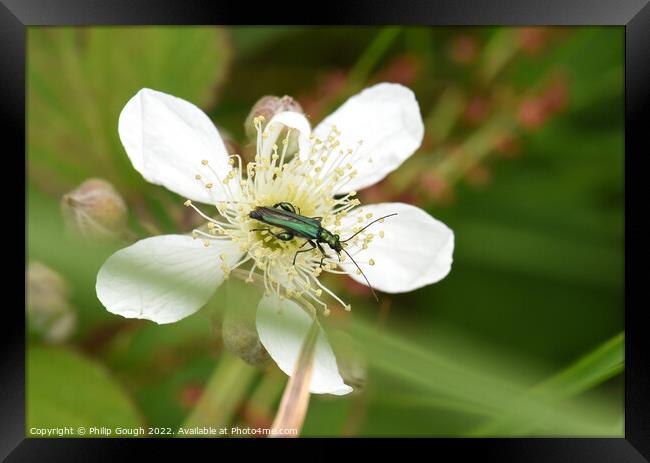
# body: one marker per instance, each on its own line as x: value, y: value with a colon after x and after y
x: 379, y: 223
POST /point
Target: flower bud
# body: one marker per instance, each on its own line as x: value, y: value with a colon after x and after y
x: 477, y: 109
x: 508, y: 146
x: 533, y: 40
x: 403, y: 69
x: 532, y: 113
x: 238, y: 330
x: 268, y: 106
x: 479, y: 176
x: 464, y: 49
x: 190, y: 394
x: 240, y: 337
x: 436, y: 187
x: 556, y: 96
x: 49, y: 313
x: 95, y: 210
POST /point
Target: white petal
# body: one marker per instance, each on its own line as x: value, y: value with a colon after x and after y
x: 163, y: 278
x: 386, y: 117
x: 290, y: 119
x: 416, y: 249
x: 166, y: 138
x: 282, y: 327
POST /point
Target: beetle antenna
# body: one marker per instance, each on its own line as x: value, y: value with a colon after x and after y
x: 376, y: 220
x: 364, y: 275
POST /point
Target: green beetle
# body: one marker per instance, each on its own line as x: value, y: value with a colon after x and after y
x: 283, y: 215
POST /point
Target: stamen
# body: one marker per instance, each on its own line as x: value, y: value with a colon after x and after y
x: 216, y: 223
x: 306, y: 180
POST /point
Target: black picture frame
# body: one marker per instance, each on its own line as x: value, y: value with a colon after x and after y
x: 634, y: 15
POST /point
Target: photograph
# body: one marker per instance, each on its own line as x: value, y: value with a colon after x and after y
x: 324, y: 231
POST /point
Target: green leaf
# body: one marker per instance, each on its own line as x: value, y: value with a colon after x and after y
x: 80, y: 78
x: 66, y: 389
x: 442, y: 374
x: 595, y: 367
x: 599, y: 365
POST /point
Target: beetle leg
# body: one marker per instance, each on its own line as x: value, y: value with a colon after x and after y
x: 283, y: 236
x: 320, y: 248
x: 286, y: 206
x: 313, y: 246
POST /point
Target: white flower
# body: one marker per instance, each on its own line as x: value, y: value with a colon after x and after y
x: 166, y: 278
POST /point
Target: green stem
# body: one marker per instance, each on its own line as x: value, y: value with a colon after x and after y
x: 223, y: 393
x: 452, y: 165
x: 475, y: 148
x: 370, y: 57
x: 445, y: 114
x: 365, y: 64
x: 268, y: 392
x: 499, y: 50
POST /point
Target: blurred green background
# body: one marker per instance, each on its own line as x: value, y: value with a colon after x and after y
x: 522, y: 158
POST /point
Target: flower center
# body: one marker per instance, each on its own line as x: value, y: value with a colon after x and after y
x: 288, y: 265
